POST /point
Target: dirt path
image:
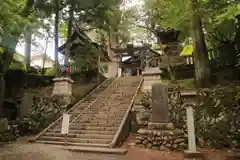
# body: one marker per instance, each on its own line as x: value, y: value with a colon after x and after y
x: 21, y: 150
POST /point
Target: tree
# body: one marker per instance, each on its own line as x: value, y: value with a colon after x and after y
x: 56, y: 23
x: 10, y: 35
x: 207, y: 20
x: 28, y: 43
x: 200, y: 52
x: 17, y: 14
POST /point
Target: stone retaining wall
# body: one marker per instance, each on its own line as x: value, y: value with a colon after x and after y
x: 162, y: 140
x: 217, y: 119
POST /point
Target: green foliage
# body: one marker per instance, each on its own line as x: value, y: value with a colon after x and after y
x: 169, y: 14
x: 230, y: 13
x: 63, y: 30
x: 17, y: 62
x: 86, y: 59
x: 51, y: 72
x: 218, y: 17
x: 220, y: 108
x: 16, y: 65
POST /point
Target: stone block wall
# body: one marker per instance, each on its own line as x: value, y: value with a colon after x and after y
x: 217, y: 119
x: 161, y: 140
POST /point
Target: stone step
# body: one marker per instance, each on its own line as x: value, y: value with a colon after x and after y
x: 90, y: 136
x: 117, y: 107
x: 97, y: 121
x: 81, y: 127
x: 76, y: 140
x: 74, y: 144
x: 84, y: 124
x: 100, y: 117
x: 96, y: 124
x: 106, y: 132
x: 96, y: 128
x: 114, y: 151
x: 104, y: 113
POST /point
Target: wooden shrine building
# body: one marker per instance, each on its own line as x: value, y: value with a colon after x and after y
x: 78, y: 41
x: 134, y: 59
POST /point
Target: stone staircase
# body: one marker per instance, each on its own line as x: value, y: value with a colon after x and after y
x: 100, y: 120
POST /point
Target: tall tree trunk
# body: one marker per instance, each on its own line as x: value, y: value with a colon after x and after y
x: 237, y: 36
x: 56, y: 37
x: 9, y: 43
x: 70, y: 25
x: 45, y: 54
x: 28, y: 44
x: 5, y: 60
x: 200, y: 53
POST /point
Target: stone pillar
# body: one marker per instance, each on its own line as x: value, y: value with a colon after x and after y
x: 113, y: 68
x: 63, y: 87
x: 119, y: 72
x: 191, y: 129
x: 189, y: 99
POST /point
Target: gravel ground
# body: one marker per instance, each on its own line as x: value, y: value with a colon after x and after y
x: 18, y: 151
x: 21, y: 150
x: 44, y: 152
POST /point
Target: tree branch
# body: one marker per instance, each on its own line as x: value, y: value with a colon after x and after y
x: 149, y: 29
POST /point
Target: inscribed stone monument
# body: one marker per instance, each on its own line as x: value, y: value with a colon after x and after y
x: 25, y: 106
x: 160, y: 103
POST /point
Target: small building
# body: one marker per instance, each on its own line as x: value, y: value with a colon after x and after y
x: 37, y: 60
x: 78, y: 44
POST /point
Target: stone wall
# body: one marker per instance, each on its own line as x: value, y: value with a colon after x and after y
x: 217, y: 120
x: 44, y: 110
x: 169, y: 137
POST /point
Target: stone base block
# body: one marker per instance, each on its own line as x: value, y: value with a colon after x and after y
x: 235, y: 155
x: 160, y: 126
x: 162, y: 139
x: 190, y: 155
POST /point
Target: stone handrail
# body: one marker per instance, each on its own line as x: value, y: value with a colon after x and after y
x: 85, y: 97
x: 95, y: 101
x: 117, y: 135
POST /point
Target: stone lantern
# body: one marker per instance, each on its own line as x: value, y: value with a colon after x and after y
x: 63, y: 87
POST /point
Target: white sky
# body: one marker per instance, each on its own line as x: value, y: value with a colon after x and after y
x: 50, y: 49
